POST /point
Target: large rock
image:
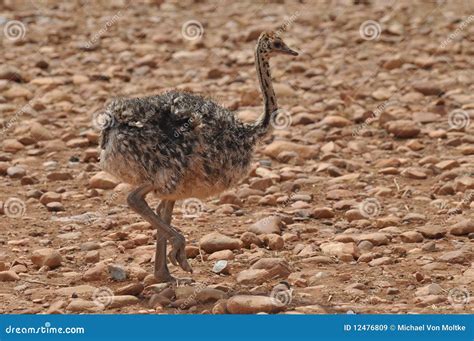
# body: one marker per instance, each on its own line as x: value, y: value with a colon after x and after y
x: 216, y: 241
x: 246, y: 304
x: 221, y: 267
x: 322, y: 213
x: 76, y: 290
x: 427, y: 88
x: 48, y: 197
x: 462, y: 184
x: 458, y: 256
x: 253, y: 276
x: 462, y: 228
x: 221, y: 255
x: 381, y: 261
x: 117, y: 272
x: 394, y: 62
x: 80, y: 305
x: 425, y: 117
x: 268, y: 225
x: 279, y: 146
x: 335, y: 121
x: 432, y: 231
x: 10, y: 73
x: 134, y: 289
x: 96, y: 273
x: 8, y: 276
x: 48, y: 257
x: 119, y: 301
x: 39, y: 132
x: 430, y: 289
x: 206, y: 295
x: 18, y: 92
x: 376, y: 238
x: 190, y: 56
x: 411, y: 237
x: 339, y: 194
x: 273, y: 241
x: 415, y: 173
x: 343, y: 251
x: 103, y: 180
x: 230, y: 198
x: 276, y: 266
x: 12, y: 146
x: 249, y: 238
x: 354, y: 214
x: 16, y: 172
x: 403, y: 128
x: 447, y: 164
x: 264, y: 270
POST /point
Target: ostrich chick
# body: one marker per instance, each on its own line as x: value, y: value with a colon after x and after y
x: 180, y: 145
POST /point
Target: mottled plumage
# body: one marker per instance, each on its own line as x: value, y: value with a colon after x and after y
x: 184, y: 144
x: 180, y: 145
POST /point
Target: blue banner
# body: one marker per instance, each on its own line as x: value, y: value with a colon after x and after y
x: 237, y: 327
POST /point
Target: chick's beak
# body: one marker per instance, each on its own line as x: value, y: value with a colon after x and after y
x: 289, y: 51
x: 292, y: 52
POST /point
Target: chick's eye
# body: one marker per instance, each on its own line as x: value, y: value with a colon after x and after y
x: 277, y: 44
